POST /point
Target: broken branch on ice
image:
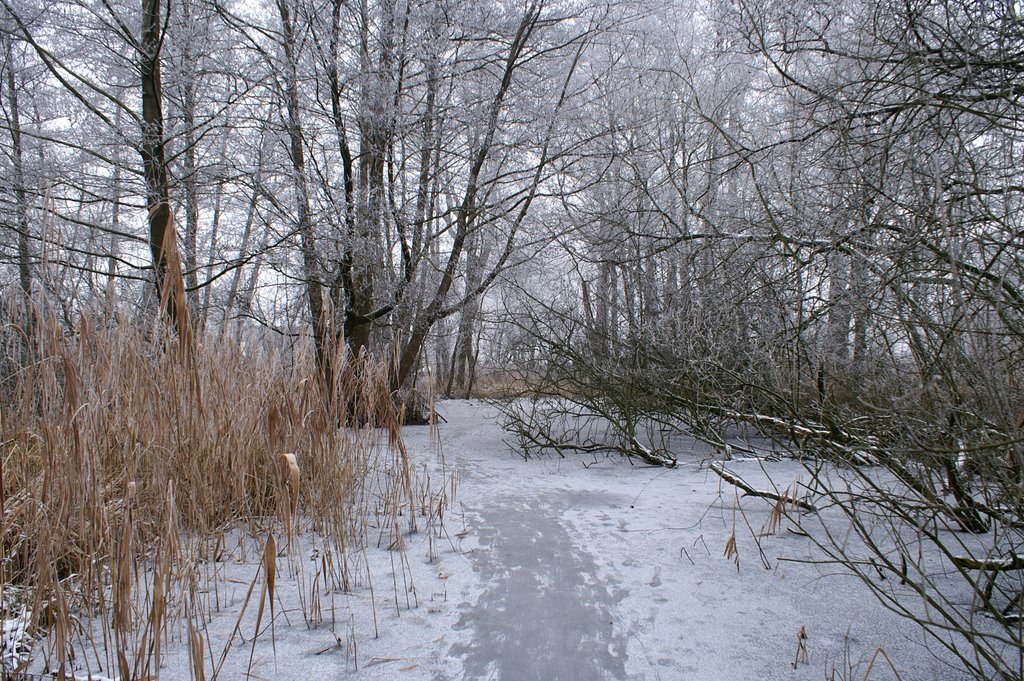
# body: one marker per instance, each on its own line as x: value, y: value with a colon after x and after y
x: 765, y: 494
x: 1014, y: 562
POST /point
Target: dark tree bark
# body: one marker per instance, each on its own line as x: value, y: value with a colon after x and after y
x: 167, y: 275
x: 21, y: 196
x: 322, y: 336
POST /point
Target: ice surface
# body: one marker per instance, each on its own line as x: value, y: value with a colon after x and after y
x: 549, y: 569
x: 630, y: 561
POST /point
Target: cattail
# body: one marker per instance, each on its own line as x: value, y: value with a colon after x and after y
x: 290, y: 470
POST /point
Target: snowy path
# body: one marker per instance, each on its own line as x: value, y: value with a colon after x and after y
x: 544, y: 614
x: 617, y: 572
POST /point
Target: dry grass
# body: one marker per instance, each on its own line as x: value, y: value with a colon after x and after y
x: 126, y: 466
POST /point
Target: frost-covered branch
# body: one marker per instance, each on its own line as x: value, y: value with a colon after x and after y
x: 735, y: 480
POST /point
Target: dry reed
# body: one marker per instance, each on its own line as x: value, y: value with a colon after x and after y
x: 125, y: 465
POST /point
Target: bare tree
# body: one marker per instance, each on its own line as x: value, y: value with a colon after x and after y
x: 839, y: 230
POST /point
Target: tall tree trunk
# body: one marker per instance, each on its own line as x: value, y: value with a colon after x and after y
x: 463, y: 356
x: 21, y: 196
x: 607, y: 315
x: 837, y: 337
x: 115, y: 221
x: 343, y: 275
x: 167, y: 277
x: 424, y: 197
x: 375, y: 121
x: 243, y: 249
x: 191, y: 218
x: 322, y: 335
x: 860, y: 311
x: 191, y: 182
x: 211, y: 253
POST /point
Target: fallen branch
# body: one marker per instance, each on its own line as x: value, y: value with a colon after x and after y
x: 764, y: 494
x: 540, y: 438
x: 655, y: 458
x: 1015, y: 562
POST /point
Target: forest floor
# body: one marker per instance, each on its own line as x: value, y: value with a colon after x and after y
x: 551, y: 569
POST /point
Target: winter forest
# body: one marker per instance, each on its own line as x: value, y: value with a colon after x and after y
x: 299, y: 294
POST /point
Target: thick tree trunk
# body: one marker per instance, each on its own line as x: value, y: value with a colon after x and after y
x: 376, y: 128
x: 167, y: 277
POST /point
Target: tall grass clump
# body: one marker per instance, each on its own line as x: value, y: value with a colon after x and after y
x: 129, y: 468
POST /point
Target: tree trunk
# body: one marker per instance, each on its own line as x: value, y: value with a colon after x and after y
x: 211, y: 254
x: 170, y: 288
x: 837, y: 337
x: 466, y: 214
x: 191, y: 182
x: 322, y: 336
x: 463, y: 356
x: 21, y: 196
x: 243, y: 248
x: 338, y: 284
x: 376, y: 117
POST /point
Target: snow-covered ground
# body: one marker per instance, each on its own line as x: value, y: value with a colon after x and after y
x: 619, y: 571
x: 549, y: 569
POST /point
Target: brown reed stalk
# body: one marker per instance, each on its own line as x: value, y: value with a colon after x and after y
x: 114, y: 450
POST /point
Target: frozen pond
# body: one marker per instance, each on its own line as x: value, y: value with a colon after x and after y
x: 549, y: 569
